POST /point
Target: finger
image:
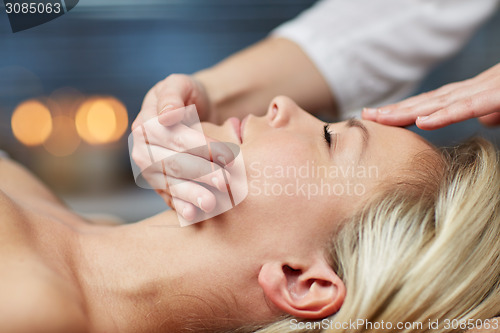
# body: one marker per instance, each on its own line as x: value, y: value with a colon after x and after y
x: 186, y: 167
x: 177, y: 138
x: 169, y: 200
x: 490, y: 120
x: 369, y: 114
x: 188, y: 115
x: 173, y: 94
x: 408, y: 102
x: 402, y: 117
x: 153, y: 179
x: 406, y: 112
x: 399, y: 114
x: 223, y: 153
x: 193, y: 193
x: 408, y: 115
x: 182, y: 138
x: 455, y: 91
x: 140, y: 151
x: 170, y: 115
x: 478, y: 105
x: 185, y: 209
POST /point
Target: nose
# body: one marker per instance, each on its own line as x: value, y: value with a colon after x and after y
x: 280, y: 111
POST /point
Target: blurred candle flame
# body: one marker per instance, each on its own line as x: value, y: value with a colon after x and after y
x: 31, y: 123
x: 101, y: 120
x: 61, y: 121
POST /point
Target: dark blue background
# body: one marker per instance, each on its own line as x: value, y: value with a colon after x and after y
x: 122, y: 48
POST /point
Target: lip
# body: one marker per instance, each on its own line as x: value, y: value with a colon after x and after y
x: 236, y: 123
x: 242, y: 127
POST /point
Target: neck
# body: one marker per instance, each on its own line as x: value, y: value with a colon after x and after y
x: 154, y: 274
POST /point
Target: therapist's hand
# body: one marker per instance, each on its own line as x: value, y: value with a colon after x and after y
x: 478, y: 97
x: 171, y: 139
x: 169, y: 96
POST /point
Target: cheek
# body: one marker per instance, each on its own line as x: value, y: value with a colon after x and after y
x: 282, y: 195
x: 271, y: 166
x: 268, y: 167
x: 277, y: 151
x: 279, y: 181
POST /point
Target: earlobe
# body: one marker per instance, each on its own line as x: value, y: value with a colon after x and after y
x: 312, y: 292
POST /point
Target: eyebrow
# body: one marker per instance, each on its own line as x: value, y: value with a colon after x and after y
x: 353, y: 122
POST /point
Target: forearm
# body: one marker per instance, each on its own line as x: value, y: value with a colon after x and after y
x: 247, y: 81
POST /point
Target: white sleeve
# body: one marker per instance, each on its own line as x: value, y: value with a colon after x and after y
x: 376, y: 52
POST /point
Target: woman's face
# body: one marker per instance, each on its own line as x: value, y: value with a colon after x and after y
x: 304, y: 178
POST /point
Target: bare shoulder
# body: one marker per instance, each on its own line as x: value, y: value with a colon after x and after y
x: 32, y: 301
x: 19, y: 183
x: 34, y: 298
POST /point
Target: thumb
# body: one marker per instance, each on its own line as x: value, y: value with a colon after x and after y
x: 171, y: 115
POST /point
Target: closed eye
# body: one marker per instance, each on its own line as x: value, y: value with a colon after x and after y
x: 329, y: 136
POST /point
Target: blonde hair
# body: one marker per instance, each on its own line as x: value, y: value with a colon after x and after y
x: 420, y: 254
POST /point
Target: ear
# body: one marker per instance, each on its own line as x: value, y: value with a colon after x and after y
x: 311, y: 292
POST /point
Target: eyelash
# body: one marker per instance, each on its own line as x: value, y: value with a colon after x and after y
x: 327, y: 135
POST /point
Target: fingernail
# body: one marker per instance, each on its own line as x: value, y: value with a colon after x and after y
x: 384, y: 111
x: 199, y: 200
x: 184, y: 212
x: 370, y: 110
x: 221, y: 159
x: 165, y: 108
x: 215, y: 180
x: 424, y: 118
